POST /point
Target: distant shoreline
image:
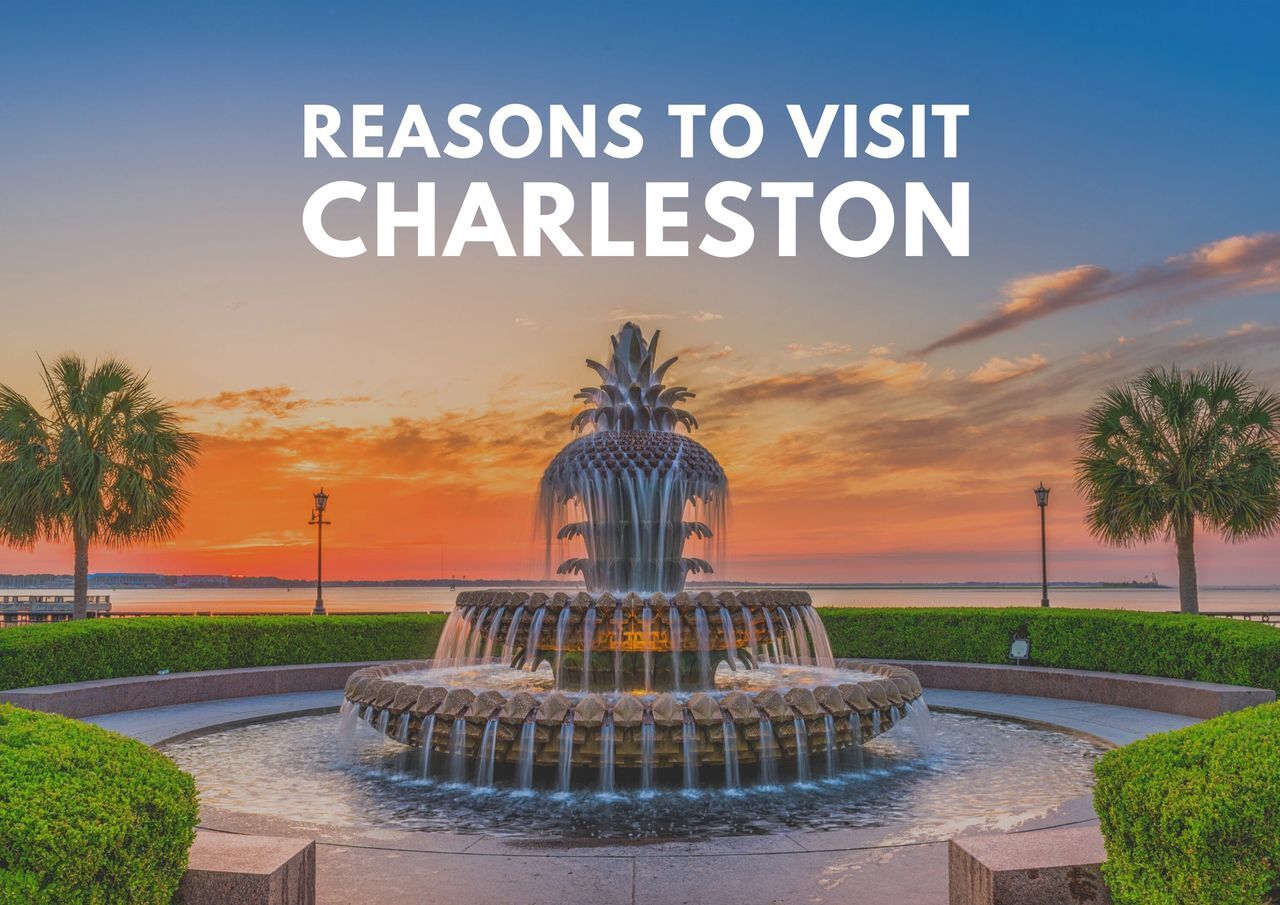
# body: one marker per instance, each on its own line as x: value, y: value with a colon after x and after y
x: 157, y: 582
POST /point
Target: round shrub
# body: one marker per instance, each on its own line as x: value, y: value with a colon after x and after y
x: 88, y: 816
x: 1190, y: 817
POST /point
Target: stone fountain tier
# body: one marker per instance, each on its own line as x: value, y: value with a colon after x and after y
x: 627, y: 642
x: 686, y: 601
x: 773, y: 723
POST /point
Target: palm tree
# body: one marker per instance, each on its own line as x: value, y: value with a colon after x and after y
x: 103, y: 464
x: 1173, y: 449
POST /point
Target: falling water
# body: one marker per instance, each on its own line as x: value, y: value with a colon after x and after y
x: 476, y: 636
x: 402, y: 730
x: 493, y: 633
x: 767, y: 753
x: 509, y: 646
x: 921, y: 724
x: 855, y: 730
x: 730, y: 753
x: 821, y: 643
x: 535, y: 637
x: 773, y: 639
x: 730, y: 638
x: 588, y: 642
x: 458, y: 750
x: 562, y: 632
x: 802, y: 750
x: 606, y: 756
x: 566, y: 753
x: 673, y: 617
x: 455, y: 643
x: 646, y: 756
x: 428, y: 744
x: 790, y: 636
x: 524, y: 767
x: 829, y: 723
x: 488, y: 749
x: 805, y: 653
x: 875, y: 723
x: 704, y: 646
x: 448, y: 638
x: 383, y: 719
x: 647, y: 627
x: 347, y: 727
x: 689, y: 745
x: 617, y: 646
x: 748, y: 620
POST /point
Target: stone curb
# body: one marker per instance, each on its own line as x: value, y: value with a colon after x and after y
x: 1202, y: 700
x: 81, y: 699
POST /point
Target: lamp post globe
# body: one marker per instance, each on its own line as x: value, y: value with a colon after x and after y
x: 317, y: 519
x: 1042, y: 500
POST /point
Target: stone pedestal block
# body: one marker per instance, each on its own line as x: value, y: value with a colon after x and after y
x: 229, y: 869
x: 1042, y: 867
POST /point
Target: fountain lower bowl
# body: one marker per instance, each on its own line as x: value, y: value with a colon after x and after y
x: 503, y: 716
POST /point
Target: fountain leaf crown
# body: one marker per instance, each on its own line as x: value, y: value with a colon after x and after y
x: 631, y: 395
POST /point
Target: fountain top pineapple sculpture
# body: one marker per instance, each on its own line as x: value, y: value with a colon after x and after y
x: 631, y: 488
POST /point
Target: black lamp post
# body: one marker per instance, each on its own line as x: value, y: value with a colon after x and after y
x: 1042, y: 500
x: 317, y: 519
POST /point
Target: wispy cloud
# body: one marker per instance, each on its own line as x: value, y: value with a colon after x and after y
x: 279, y: 401
x: 827, y: 383
x: 1233, y: 265
x: 820, y: 350
x: 712, y: 352
x: 998, y: 370
x: 643, y: 315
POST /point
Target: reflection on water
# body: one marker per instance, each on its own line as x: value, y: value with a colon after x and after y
x: 496, y: 677
x: 979, y: 770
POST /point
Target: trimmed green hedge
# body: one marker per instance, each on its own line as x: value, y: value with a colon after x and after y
x: 1193, y: 817
x: 1173, y: 645
x: 114, y: 648
x: 88, y: 816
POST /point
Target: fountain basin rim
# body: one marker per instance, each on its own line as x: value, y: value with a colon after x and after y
x: 684, y: 600
x: 837, y: 716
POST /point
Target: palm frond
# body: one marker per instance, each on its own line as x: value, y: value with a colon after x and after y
x: 1173, y: 448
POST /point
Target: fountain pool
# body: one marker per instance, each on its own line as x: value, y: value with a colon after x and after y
x: 978, y: 771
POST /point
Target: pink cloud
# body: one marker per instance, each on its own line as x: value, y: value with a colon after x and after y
x: 1234, y: 265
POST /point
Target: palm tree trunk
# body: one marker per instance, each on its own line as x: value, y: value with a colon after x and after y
x: 80, y: 602
x: 1188, y: 592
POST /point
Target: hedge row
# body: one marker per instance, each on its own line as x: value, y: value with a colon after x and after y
x: 88, y: 816
x: 1173, y: 645
x: 1156, y: 644
x: 1190, y: 817
x: 113, y: 648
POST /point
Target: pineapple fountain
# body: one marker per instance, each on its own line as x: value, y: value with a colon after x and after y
x: 635, y: 678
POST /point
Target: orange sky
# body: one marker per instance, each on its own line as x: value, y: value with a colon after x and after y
x: 844, y: 463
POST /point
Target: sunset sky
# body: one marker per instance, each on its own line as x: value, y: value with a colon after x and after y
x: 880, y: 419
